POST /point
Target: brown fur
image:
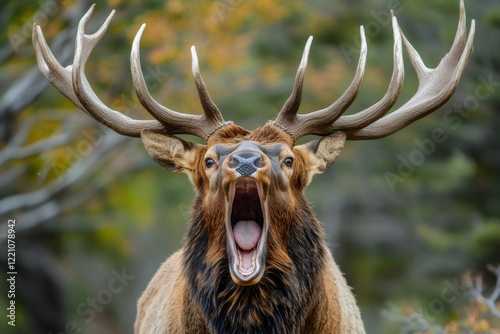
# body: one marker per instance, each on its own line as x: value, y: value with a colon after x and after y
x: 161, y: 305
x: 302, y: 289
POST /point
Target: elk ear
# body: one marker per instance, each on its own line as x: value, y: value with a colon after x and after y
x: 169, y: 151
x: 323, y: 152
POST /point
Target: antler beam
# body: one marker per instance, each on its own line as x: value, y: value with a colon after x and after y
x: 436, y: 86
x: 72, y: 83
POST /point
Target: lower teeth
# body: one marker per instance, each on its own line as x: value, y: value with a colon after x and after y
x: 245, y: 271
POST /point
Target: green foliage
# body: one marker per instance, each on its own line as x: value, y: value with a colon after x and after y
x: 492, y: 18
x: 484, y: 239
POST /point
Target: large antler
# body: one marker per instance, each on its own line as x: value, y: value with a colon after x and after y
x: 436, y: 86
x: 72, y: 83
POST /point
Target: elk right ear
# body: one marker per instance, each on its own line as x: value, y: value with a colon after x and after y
x: 169, y: 151
x: 323, y: 152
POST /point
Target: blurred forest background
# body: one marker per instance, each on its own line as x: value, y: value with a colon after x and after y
x: 411, y: 221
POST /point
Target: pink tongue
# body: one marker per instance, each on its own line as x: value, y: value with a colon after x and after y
x: 246, y: 234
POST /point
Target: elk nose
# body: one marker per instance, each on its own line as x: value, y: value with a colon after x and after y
x: 246, y: 163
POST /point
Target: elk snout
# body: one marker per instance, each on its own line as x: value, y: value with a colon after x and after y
x: 246, y: 163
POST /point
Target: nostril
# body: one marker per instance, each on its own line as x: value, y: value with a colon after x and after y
x: 233, y: 162
x: 246, y: 163
x: 246, y: 169
x: 259, y: 162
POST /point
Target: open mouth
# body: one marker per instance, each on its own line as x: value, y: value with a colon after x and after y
x: 247, y: 231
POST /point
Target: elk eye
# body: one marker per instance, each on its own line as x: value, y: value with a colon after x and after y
x: 288, y: 162
x: 209, y: 163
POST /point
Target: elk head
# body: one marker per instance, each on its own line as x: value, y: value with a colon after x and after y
x: 250, y: 183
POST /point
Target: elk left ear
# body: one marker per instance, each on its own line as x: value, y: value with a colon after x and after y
x: 323, y: 152
x: 169, y: 151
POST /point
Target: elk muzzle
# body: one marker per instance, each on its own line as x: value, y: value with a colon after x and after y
x: 247, y: 174
x: 246, y: 163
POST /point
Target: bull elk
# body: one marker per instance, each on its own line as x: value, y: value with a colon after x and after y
x: 255, y: 259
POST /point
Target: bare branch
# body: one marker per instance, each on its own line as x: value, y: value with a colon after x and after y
x: 15, y: 150
x: 37, y: 197
x: 49, y: 202
x: 36, y: 148
x: 11, y: 175
x: 411, y: 322
x: 32, y: 84
x: 476, y: 290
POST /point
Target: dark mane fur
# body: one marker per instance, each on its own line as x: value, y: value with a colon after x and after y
x: 278, y: 303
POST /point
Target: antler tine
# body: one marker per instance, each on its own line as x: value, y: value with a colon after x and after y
x: 326, y: 121
x: 63, y: 79
x: 374, y: 112
x: 317, y: 122
x: 84, y: 93
x: 289, y: 110
x: 173, y: 121
x: 436, y: 86
x: 72, y: 83
x: 299, y: 125
x: 209, y: 107
x: 50, y: 67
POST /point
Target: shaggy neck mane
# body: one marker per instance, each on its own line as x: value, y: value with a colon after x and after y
x: 278, y: 303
